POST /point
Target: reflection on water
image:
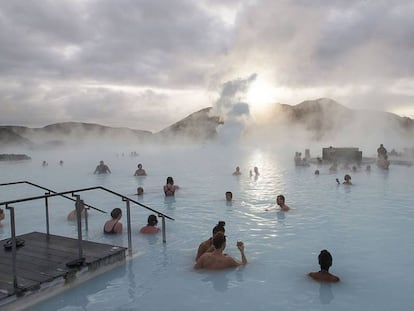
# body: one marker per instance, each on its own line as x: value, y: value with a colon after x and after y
x: 325, y: 293
x: 281, y: 215
x: 169, y: 202
x: 219, y: 280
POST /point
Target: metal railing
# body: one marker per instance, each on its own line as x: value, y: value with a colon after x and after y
x: 51, y: 193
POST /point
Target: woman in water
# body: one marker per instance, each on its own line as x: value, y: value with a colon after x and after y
x: 151, y: 226
x: 169, y: 188
x: 113, y: 226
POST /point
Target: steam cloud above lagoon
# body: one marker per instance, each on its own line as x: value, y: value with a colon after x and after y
x: 68, y: 67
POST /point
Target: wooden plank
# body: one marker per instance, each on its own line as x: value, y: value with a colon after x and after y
x: 43, y: 258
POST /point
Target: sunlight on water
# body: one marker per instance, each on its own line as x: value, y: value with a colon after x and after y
x: 367, y: 227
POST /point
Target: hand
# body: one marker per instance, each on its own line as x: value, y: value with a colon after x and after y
x: 240, y: 245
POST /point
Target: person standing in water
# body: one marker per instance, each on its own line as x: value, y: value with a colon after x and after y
x: 207, y: 245
x: 113, y: 226
x: 280, y: 200
x: 323, y: 275
x: 73, y: 215
x: 140, y: 171
x: 237, y: 171
x: 151, y: 228
x: 102, y: 168
x: 169, y: 188
x: 216, y: 260
x: 347, y: 180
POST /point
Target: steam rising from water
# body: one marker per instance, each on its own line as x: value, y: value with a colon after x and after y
x: 235, y: 113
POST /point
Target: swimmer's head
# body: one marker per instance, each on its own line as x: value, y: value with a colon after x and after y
x: 325, y: 260
x: 219, y: 228
x: 116, y: 212
x: 170, y: 180
x: 101, y: 162
x: 347, y: 177
x: 280, y: 199
x: 140, y: 190
x: 140, y: 166
x: 317, y: 172
x: 152, y: 220
x: 229, y: 196
x: 219, y: 240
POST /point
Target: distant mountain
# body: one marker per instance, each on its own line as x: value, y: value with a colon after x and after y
x: 320, y: 118
x: 10, y: 137
x: 198, y: 125
x: 324, y: 116
x: 65, y: 133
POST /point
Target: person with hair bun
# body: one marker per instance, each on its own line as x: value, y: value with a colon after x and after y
x: 325, y: 262
x: 151, y: 228
x: 207, y: 245
x: 113, y: 226
x: 216, y: 260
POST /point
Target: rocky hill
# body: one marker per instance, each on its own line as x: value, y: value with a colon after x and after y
x: 66, y: 133
x: 320, y: 118
x: 197, y: 126
x: 324, y: 116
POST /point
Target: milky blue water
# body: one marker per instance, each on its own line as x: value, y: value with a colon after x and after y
x: 367, y: 227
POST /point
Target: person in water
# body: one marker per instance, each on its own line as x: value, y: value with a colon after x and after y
x: 280, y: 200
x: 256, y: 171
x: 102, y: 168
x: 207, y: 245
x: 216, y: 260
x: 140, y: 171
x: 72, y: 215
x: 347, y: 180
x: 229, y: 196
x: 140, y: 191
x: 323, y: 275
x: 169, y: 188
x: 237, y: 171
x: 114, y: 226
x: 151, y: 228
x: 381, y: 151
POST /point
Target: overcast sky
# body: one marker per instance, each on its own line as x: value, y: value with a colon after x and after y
x: 146, y: 64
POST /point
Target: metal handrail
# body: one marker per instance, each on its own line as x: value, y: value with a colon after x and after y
x: 49, y: 190
x: 78, y: 214
x: 82, y: 190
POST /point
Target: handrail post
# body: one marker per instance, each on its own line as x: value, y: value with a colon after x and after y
x: 13, y: 234
x: 86, y: 218
x: 164, y: 235
x: 128, y: 208
x: 47, y: 212
x: 78, y: 219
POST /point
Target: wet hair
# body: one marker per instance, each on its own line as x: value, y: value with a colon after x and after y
x: 282, y: 197
x: 228, y: 193
x: 219, y: 239
x: 140, y: 189
x: 325, y: 260
x: 170, y: 180
x: 116, y: 212
x: 347, y: 177
x: 219, y: 227
x: 317, y: 172
x: 139, y: 165
x: 152, y: 220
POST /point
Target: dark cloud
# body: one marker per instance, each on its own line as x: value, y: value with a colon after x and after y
x: 52, y: 50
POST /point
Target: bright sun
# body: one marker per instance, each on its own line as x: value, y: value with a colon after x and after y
x: 261, y: 95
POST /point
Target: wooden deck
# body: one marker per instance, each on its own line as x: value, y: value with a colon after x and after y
x: 43, y: 260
